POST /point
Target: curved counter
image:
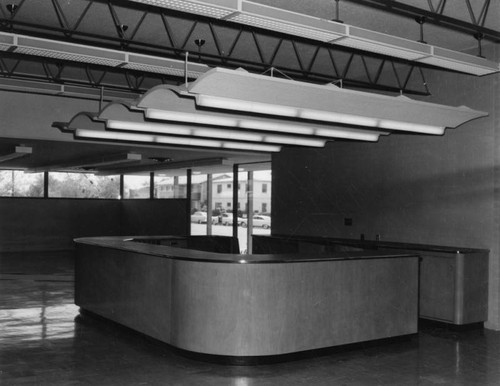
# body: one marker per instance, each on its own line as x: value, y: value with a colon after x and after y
x: 246, y: 306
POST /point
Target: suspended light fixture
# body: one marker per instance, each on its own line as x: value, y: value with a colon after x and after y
x: 164, y: 103
x: 239, y: 90
x: 117, y: 116
x: 233, y: 135
x: 85, y: 125
x: 172, y: 141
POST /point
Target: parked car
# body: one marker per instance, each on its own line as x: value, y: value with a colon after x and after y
x: 199, y: 217
x: 227, y: 219
x: 258, y: 221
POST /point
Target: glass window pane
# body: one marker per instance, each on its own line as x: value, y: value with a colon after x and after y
x: 15, y: 183
x: 83, y: 185
x: 164, y: 187
x: 136, y: 186
x: 200, y: 219
x: 180, y: 185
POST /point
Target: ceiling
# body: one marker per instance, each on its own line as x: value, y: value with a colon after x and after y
x: 134, y: 27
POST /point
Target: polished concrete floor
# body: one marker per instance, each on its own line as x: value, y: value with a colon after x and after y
x: 44, y: 341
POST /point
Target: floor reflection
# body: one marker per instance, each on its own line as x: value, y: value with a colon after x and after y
x: 45, y: 341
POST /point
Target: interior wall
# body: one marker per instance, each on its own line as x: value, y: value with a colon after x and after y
x: 406, y: 188
x: 30, y: 224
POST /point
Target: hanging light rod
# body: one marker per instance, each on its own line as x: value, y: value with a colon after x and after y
x: 326, y: 31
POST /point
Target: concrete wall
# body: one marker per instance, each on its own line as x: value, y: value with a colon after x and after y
x: 31, y: 224
x: 408, y: 188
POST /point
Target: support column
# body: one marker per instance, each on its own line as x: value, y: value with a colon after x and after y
x: 249, y: 212
x: 235, y: 201
x: 188, y: 202
x: 209, y: 204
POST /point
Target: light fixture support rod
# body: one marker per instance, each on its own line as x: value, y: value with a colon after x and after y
x: 101, y: 98
x: 337, y: 12
x: 421, y: 21
x: 186, y: 69
x: 479, y: 37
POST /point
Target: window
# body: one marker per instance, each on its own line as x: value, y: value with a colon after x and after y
x: 264, y: 207
x: 136, y: 186
x: 229, y: 186
x: 83, y: 185
x: 219, y: 188
x: 264, y: 188
x: 15, y: 183
x: 228, y: 204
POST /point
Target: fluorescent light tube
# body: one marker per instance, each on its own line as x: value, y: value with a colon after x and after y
x: 169, y: 140
x: 148, y: 127
x: 179, y: 116
x: 315, y: 115
x: 244, y: 105
x: 297, y: 141
x: 413, y: 127
x: 345, y: 119
x: 264, y: 125
x: 236, y: 135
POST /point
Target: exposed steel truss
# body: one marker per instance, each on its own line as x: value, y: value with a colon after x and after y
x: 154, y: 31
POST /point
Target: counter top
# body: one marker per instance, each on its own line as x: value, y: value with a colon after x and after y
x: 377, y: 245
x: 139, y: 244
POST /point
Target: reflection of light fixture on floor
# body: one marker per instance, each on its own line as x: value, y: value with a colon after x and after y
x: 19, y: 151
x: 238, y: 90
